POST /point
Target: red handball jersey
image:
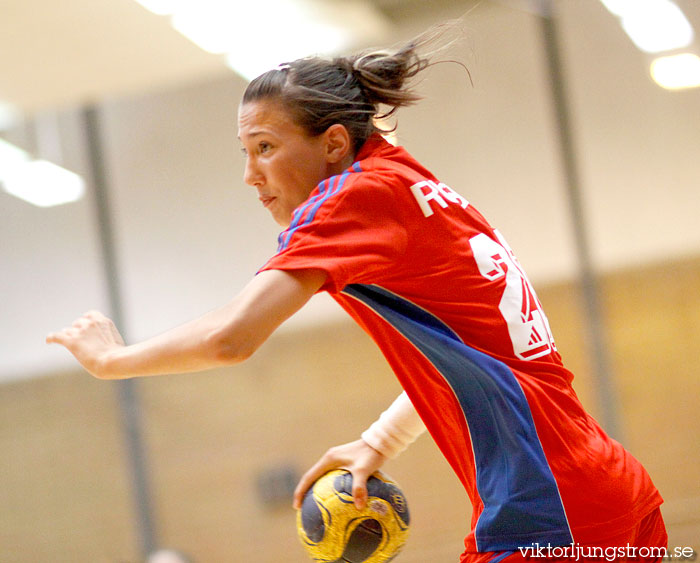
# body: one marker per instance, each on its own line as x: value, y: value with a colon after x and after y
x: 441, y: 293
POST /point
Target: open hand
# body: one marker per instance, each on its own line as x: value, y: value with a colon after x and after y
x: 90, y: 339
x: 358, y: 457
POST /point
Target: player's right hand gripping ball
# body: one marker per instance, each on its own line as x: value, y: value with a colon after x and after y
x: 333, y: 531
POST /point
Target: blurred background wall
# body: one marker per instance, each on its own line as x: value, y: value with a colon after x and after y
x: 188, y: 234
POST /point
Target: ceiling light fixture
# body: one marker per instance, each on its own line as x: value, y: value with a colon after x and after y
x: 38, y: 182
x: 9, y: 116
x: 11, y: 158
x: 256, y: 37
x: 653, y: 25
x: 159, y: 7
x: 676, y: 72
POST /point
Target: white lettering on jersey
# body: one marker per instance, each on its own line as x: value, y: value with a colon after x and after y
x: 427, y: 191
x: 528, y: 326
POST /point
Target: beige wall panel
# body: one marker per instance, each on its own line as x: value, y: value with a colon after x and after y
x: 64, y: 493
x: 65, y: 496
x: 655, y: 342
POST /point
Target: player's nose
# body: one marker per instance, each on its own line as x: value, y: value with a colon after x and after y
x: 252, y: 174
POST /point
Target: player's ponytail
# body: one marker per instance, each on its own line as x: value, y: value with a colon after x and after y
x: 384, y: 76
x: 320, y: 92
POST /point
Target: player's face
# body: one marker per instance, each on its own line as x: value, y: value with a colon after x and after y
x: 283, y: 162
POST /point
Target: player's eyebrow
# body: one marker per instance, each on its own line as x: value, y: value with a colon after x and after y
x: 255, y: 133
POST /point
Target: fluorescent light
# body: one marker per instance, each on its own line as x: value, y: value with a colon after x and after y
x: 159, y: 7
x: 11, y: 159
x: 617, y: 7
x: 43, y: 183
x: 315, y: 39
x: 291, y: 30
x: 213, y: 26
x: 677, y: 71
x: 653, y: 25
x: 9, y: 116
x: 660, y: 26
x: 257, y: 36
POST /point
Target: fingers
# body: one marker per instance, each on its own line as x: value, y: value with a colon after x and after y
x: 357, y: 457
x: 67, y: 334
x: 60, y: 337
x: 95, y: 315
x: 332, y: 459
x: 300, y: 491
x: 359, y: 484
x: 308, y: 479
x: 91, y: 338
x: 359, y: 489
x: 89, y: 319
x: 82, y: 322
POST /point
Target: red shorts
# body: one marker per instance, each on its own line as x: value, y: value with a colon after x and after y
x: 632, y: 545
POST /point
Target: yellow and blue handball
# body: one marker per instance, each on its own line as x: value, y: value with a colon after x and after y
x: 333, y: 530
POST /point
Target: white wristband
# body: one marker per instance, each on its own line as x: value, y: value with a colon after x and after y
x: 396, y: 428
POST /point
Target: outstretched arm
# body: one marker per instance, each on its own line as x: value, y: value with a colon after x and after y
x: 224, y: 336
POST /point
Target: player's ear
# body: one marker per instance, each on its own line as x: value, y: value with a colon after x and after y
x: 338, y: 143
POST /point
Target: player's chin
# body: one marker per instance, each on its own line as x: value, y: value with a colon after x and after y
x: 282, y: 219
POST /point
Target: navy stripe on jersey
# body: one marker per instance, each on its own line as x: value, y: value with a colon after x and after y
x: 300, y: 218
x: 501, y: 556
x: 521, y: 499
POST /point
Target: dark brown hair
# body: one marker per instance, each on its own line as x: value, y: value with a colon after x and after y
x: 320, y: 92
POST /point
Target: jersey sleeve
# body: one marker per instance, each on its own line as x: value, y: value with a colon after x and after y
x: 351, y: 232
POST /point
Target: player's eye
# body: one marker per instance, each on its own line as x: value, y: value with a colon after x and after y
x: 264, y: 146
x: 244, y: 151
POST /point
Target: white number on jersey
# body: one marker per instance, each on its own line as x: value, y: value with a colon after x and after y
x: 527, y: 324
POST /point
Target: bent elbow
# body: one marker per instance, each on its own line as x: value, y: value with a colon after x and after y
x: 228, y: 350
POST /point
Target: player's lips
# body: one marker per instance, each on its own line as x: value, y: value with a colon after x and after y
x: 266, y: 200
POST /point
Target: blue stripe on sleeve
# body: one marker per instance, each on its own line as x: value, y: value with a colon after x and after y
x: 301, y: 218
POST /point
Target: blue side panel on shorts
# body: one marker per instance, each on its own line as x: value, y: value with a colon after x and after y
x: 521, y: 500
